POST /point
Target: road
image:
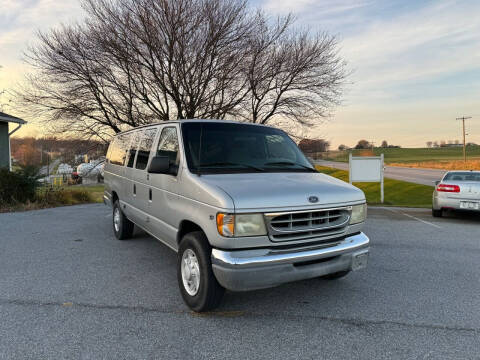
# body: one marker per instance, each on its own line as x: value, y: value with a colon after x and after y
x: 415, y: 175
x: 44, y: 169
x: 70, y: 290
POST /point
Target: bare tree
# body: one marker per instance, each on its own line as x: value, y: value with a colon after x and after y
x: 134, y: 62
x: 429, y: 144
x: 291, y: 74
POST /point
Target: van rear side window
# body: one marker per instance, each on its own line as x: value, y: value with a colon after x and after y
x: 118, y: 149
x: 143, y: 152
x: 137, y: 135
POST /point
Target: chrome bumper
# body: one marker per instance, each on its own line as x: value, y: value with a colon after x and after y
x: 243, y: 270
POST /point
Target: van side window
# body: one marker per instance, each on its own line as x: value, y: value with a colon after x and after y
x: 168, y: 145
x: 143, y: 152
x: 119, y: 149
x: 133, y: 148
x: 109, y: 150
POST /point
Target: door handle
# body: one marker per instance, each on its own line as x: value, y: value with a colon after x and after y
x: 150, y: 194
x: 134, y: 189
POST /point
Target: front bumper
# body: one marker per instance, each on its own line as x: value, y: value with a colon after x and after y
x: 243, y: 270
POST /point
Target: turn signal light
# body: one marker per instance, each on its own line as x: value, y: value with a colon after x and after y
x: 448, y: 188
x: 225, y: 224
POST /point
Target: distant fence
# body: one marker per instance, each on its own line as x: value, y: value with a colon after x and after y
x: 55, y: 180
x: 339, y: 155
x: 328, y: 155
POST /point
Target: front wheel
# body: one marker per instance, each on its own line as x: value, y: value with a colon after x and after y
x: 199, y: 287
x: 122, y: 227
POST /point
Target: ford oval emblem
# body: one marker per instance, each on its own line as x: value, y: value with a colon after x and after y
x: 313, y: 199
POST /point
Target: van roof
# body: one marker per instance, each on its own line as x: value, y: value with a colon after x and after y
x: 189, y: 121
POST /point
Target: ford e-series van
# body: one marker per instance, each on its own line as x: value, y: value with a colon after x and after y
x: 239, y: 203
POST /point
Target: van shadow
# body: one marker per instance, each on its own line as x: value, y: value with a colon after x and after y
x: 295, y: 297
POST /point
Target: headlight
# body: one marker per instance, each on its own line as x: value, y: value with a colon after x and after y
x: 241, y: 225
x: 359, y: 214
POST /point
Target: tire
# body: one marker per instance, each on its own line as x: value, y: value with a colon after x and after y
x: 437, y: 213
x: 199, y: 287
x: 122, y: 227
x: 336, y: 275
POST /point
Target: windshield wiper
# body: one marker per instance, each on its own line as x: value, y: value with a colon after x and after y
x: 227, y: 163
x: 290, y: 163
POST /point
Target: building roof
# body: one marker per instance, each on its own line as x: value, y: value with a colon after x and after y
x: 9, y: 118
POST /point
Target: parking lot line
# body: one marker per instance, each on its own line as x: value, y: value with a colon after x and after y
x: 414, y: 217
x: 423, y: 221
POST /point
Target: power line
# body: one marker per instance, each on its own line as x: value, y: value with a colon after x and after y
x: 463, y: 118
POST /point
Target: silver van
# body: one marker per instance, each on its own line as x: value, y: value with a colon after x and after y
x: 240, y: 204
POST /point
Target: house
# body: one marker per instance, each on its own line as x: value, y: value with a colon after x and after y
x: 5, y: 158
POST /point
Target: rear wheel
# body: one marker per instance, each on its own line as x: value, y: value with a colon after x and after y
x: 199, y: 287
x: 437, y: 213
x: 336, y: 275
x: 122, y: 227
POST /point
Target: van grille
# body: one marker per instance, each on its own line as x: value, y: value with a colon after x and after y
x: 307, y: 224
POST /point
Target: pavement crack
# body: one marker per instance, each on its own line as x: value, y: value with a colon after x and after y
x: 241, y: 313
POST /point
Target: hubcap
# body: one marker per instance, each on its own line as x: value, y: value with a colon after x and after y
x: 190, y: 272
x: 116, y: 219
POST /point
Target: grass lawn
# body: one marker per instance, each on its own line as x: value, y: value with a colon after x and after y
x: 96, y: 191
x: 397, y: 193
x: 413, y: 155
x: 59, y: 196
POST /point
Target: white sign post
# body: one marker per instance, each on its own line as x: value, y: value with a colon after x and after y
x: 367, y: 169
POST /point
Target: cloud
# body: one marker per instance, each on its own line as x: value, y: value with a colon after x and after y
x: 435, y: 41
x: 415, y: 65
x: 321, y: 8
x: 391, y: 46
x: 20, y: 19
x: 19, y: 22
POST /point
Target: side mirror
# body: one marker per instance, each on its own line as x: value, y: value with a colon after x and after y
x: 437, y: 182
x: 159, y: 165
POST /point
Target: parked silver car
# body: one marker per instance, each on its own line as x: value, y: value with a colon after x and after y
x: 239, y: 203
x: 458, y: 190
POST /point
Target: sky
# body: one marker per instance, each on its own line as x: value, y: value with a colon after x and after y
x: 414, y: 65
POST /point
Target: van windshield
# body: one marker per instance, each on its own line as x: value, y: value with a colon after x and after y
x: 213, y: 147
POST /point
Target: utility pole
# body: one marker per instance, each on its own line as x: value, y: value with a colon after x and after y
x: 463, y: 118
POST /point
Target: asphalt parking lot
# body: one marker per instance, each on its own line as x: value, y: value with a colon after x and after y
x: 70, y: 290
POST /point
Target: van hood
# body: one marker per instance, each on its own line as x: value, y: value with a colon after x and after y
x: 284, y: 190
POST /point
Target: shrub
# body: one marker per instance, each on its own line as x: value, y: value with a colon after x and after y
x: 82, y: 196
x: 60, y: 196
x: 19, y: 186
